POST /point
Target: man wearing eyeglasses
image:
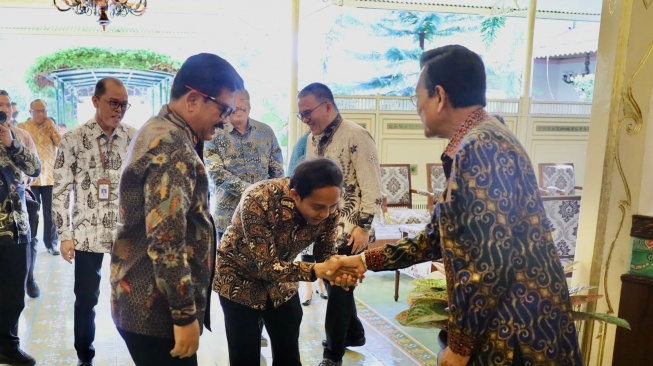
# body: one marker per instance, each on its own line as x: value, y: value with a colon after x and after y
x: 46, y: 136
x: 354, y: 149
x: 86, y: 176
x: 162, y: 261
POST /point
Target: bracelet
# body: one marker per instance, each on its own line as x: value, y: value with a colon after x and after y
x: 364, y: 262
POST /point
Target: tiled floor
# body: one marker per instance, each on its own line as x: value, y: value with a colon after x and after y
x: 46, y: 327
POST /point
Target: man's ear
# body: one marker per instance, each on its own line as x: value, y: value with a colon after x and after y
x: 294, y: 195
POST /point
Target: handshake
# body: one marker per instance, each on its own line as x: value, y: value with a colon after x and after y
x: 340, y: 270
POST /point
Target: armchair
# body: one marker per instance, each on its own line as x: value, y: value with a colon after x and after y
x: 564, y: 213
x: 396, y: 190
x: 557, y: 179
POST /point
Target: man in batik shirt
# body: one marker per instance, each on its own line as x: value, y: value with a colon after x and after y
x: 86, y: 176
x: 354, y: 149
x: 245, y: 152
x: 256, y: 272
x: 162, y: 259
x: 508, y: 298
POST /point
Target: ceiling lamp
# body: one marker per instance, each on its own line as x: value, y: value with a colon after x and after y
x: 103, y: 8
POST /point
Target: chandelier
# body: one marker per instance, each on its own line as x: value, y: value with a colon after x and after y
x: 103, y: 8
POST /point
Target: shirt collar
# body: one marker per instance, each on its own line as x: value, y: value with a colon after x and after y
x: 473, y: 120
x: 170, y: 115
x: 230, y: 128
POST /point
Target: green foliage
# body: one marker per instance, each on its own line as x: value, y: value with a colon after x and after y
x: 490, y: 27
x: 91, y: 57
x: 428, y: 301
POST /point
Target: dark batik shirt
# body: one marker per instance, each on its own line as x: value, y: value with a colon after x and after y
x: 505, y: 281
x: 256, y: 257
x: 163, y: 256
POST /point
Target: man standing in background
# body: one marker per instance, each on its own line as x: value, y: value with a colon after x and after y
x: 354, y: 150
x: 87, y: 173
x: 16, y: 160
x: 46, y: 136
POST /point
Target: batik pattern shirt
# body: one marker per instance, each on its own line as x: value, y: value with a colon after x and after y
x: 257, y: 252
x: 235, y: 161
x: 15, y: 162
x: 354, y: 150
x: 47, y: 138
x: 164, y: 252
x: 85, y: 156
x: 505, y: 281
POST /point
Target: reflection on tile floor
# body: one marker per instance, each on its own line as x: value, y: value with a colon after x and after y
x: 46, y: 326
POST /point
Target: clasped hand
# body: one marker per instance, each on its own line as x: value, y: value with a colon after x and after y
x: 344, y: 271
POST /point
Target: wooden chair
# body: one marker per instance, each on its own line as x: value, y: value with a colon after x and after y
x: 397, y: 193
x: 564, y: 213
x: 557, y: 179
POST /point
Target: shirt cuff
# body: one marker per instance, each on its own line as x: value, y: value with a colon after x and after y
x: 373, y: 259
x: 183, y: 321
x: 461, y: 344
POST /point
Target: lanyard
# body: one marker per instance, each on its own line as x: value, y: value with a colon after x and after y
x: 99, y: 147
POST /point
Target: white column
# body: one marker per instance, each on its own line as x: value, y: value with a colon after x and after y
x: 294, y: 66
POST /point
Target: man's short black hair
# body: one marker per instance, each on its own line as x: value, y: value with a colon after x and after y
x: 459, y: 71
x: 206, y: 73
x: 101, y: 86
x: 313, y: 174
x: 321, y: 92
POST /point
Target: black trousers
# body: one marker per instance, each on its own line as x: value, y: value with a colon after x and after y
x: 341, y: 323
x: 33, y: 212
x: 244, y: 334
x: 153, y: 351
x: 87, y: 291
x: 44, y: 197
x: 13, y: 273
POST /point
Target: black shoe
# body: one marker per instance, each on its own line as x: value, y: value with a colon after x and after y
x: 32, y: 289
x: 84, y: 363
x: 357, y: 343
x: 17, y: 357
x: 307, y: 302
x: 327, y: 362
x: 54, y: 251
x: 324, y: 296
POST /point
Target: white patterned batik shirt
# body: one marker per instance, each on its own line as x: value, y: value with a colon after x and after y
x: 76, y: 210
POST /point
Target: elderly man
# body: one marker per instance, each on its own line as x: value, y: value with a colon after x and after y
x: 87, y: 172
x: 16, y: 160
x: 162, y: 260
x: 354, y: 149
x: 46, y: 137
x: 508, y: 298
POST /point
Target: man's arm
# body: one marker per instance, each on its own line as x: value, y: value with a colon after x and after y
x: 53, y: 132
x: 217, y: 169
x: 27, y: 161
x: 324, y: 247
x: 365, y: 159
x: 65, y: 175
x: 168, y: 195
x: 275, y: 169
x: 31, y: 146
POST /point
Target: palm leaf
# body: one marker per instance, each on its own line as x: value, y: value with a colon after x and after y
x: 577, y: 289
x: 569, y: 267
x: 582, y: 315
x: 419, y: 296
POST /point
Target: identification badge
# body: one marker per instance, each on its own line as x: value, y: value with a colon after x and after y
x: 103, y: 189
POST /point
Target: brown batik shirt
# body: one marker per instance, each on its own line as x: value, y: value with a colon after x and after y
x: 257, y: 252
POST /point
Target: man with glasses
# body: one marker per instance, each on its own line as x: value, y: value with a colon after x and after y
x: 354, y: 149
x: 87, y: 173
x: 163, y: 258
x: 46, y: 136
x: 16, y: 161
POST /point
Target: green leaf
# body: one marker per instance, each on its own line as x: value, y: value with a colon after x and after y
x: 423, y: 314
x: 437, y: 284
x: 420, y: 296
x: 582, y: 315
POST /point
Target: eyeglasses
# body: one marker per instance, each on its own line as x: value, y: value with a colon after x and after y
x: 114, y: 104
x: 413, y: 98
x: 227, y: 110
x: 307, y: 114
